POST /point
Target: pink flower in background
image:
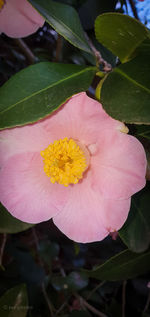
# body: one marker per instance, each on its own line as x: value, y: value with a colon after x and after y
x: 75, y: 166
x: 18, y: 18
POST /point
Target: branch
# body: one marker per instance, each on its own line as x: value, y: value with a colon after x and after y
x: 134, y: 9
x: 2, y: 248
x: 26, y: 50
x: 123, y: 298
x: 58, y: 48
x: 47, y: 300
x: 36, y: 241
x: 84, y: 303
x: 99, y: 59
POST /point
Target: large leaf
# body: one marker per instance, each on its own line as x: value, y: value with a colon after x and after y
x: 120, y: 33
x: 40, y: 89
x: 125, y: 93
x: 65, y: 20
x: 14, y: 303
x: 122, y: 266
x: 9, y: 224
x: 136, y: 231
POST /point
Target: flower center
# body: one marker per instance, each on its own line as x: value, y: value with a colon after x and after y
x: 65, y: 161
x: 2, y: 2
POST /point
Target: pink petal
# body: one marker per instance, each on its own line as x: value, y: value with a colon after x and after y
x: 81, y: 118
x: 87, y: 217
x: 119, y: 167
x: 19, y: 19
x: 27, y: 192
x: 29, y: 138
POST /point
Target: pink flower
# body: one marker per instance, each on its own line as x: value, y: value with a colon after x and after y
x: 18, y: 18
x: 100, y: 166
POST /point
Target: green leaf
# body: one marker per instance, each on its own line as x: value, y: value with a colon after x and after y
x: 9, y: 224
x: 120, y: 33
x: 38, y: 90
x: 122, y: 266
x: 136, y: 231
x: 65, y: 20
x: 14, y: 303
x: 125, y: 93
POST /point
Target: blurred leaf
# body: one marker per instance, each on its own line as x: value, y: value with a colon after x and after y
x: 125, y: 93
x: 114, y: 308
x: 73, y: 282
x: 136, y: 231
x: 64, y: 19
x: 91, y: 9
x: 14, y: 303
x: 120, y: 33
x: 122, y: 266
x: 40, y: 89
x: 144, y: 47
x: 9, y: 224
x: 29, y: 271
x: 48, y: 251
x: 143, y: 131
x: 77, y: 281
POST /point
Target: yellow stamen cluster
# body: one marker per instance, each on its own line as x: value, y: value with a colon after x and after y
x: 2, y: 2
x: 64, y: 162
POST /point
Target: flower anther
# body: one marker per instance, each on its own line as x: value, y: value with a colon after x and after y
x: 65, y: 162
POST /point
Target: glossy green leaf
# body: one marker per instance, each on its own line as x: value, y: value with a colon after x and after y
x: 65, y: 20
x: 120, y: 33
x: 125, y: 93
x: 9, y: 224
x: 122, y: 266
x: 40, y: 89
x: 14, y: 303
x: 136, y: 231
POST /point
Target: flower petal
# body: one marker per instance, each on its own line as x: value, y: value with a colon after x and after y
x: 81, y: 118
x: 19, y: 19
x: 119, y: 167
x: 29, y: 138
x: 87, y: 217
x: 27, y: 192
